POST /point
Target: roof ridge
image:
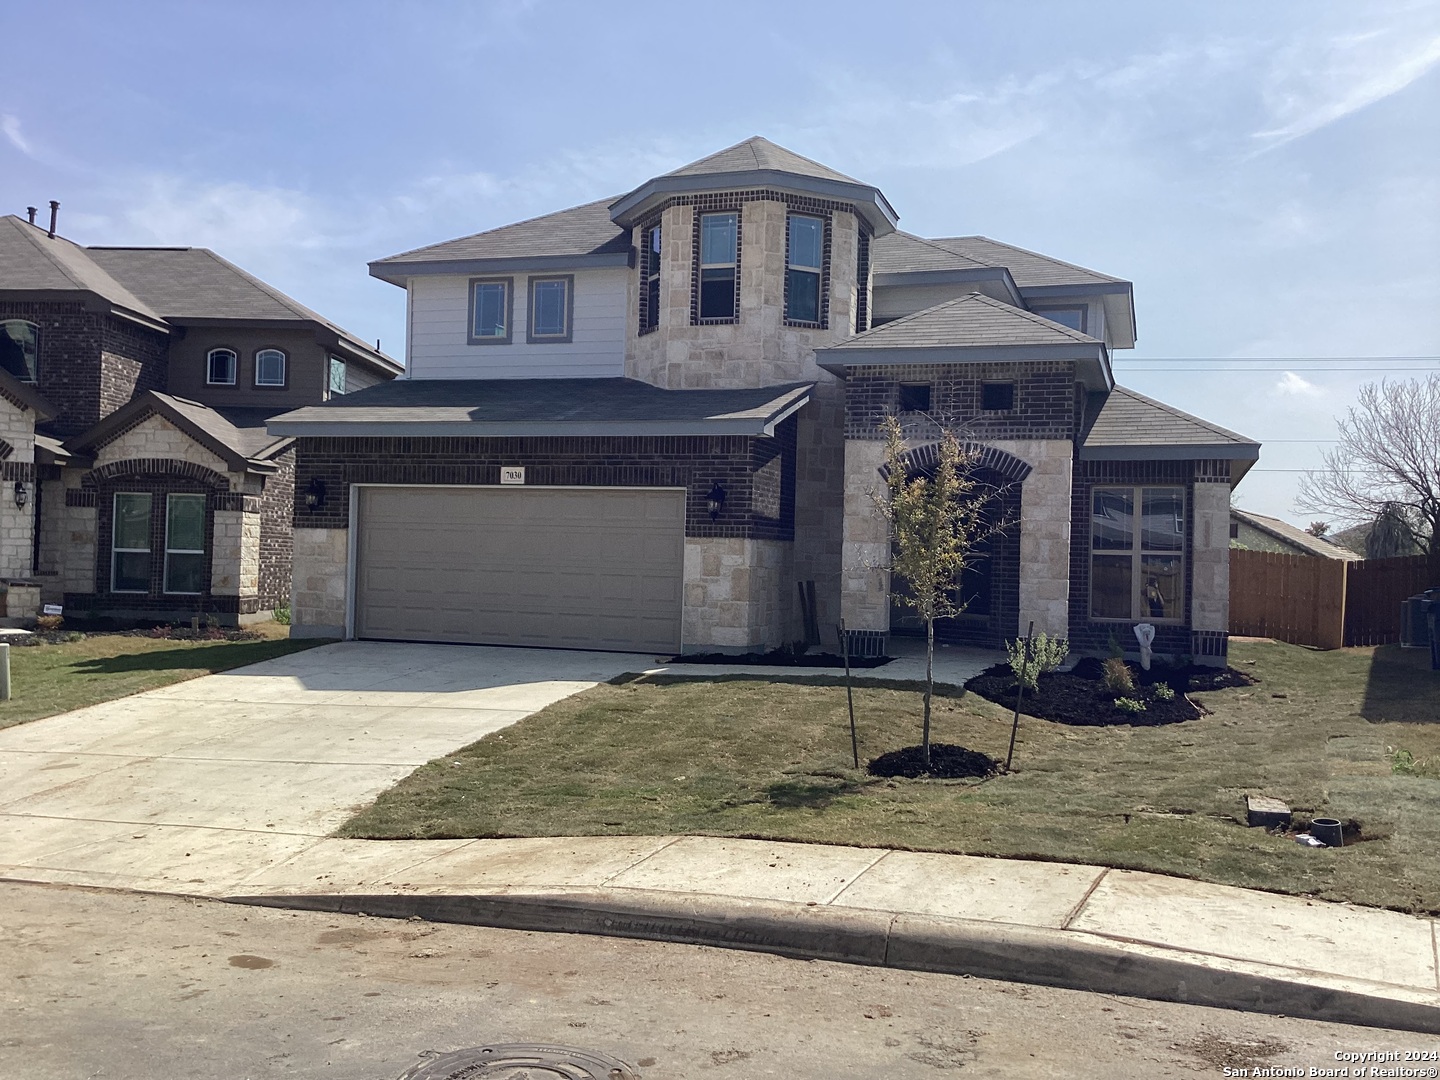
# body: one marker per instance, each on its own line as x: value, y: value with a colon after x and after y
x: 948, y: 251
x: 65, y: 271
x: 607, y: 201
x: 1216, y: 428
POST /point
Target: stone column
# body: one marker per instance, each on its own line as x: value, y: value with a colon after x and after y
x: 1044, y: 533
x: 864, y: 585
x: 1210, y: 572
x: 318, y: 582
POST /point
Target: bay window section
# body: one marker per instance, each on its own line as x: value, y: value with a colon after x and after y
x: 805, y: 241
x: 650, y: 281
x: 130, y: 543
x: 719, y: 262
x: 1137, y: 560
x: 185, y: 544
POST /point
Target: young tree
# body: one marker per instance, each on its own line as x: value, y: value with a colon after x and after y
x: 936, y: 523
x: 1318, y: 529
x: 1386, y: 465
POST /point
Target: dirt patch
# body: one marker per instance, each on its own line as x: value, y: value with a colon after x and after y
x: 1224, y: 1053
x: 947, y: 762
x: 1080, y: 698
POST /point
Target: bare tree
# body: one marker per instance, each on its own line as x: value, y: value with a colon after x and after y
x: 1387, y: 462
x: 936, y: 522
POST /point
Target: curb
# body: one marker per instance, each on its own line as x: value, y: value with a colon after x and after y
x: 1042, y: 956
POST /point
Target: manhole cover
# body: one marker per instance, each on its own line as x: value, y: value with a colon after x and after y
x: 521, y: 1061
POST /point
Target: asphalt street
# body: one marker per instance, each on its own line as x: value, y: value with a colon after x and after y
x: 110, y: 984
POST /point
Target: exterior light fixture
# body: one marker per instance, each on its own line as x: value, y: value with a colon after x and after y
x: 315, y: 494
x: 22, y: 494
x: 715, y: 501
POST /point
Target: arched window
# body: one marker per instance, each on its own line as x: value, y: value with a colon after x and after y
x: 220, y: 367
x: 269, y: 368
x: 20, y: 349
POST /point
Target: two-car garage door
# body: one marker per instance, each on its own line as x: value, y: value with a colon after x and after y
x: 588, y: 568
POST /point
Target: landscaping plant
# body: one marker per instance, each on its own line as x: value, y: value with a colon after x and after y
x: 1119, y: 679
x: 1046, y: 655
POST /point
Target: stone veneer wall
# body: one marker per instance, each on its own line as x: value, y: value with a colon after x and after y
x: 865, y: 551
x: 1210, y: 575
x: 320, y: 575
x: 1044, y: 534
x: 735, y: 595
x: 17, y: 466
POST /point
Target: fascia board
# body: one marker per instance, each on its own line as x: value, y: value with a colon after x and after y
x: 522, y: 428
x: 837, y: 358
x: 870, y: 201
x: 957, y: 276
x: 397, y: 272
x: 1173, y: 452
x: 1098, y: 288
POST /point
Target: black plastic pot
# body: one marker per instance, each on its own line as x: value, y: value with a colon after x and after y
x: 1328, y: 831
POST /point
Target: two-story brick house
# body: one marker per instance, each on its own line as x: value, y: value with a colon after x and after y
x: 652, y: 421
x: 140, y: 480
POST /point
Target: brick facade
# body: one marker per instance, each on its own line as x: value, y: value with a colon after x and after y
x: 277, y: 542
x: 1045, y: 398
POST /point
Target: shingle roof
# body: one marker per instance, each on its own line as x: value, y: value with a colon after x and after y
x: 970, y: 320
x: 1126, y: 418
x: 760, y: 153
x: 902, y: 252
x: 1028, y: 268
x: 546, y: 406
x: 581, y: 230
x: 1295, y: 537
x: 31, y: 260
x: 238, y: 435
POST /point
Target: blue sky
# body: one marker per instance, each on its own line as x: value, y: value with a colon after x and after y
x: 1267, y: 174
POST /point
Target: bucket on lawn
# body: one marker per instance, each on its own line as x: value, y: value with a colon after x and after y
x: 1328, y: 831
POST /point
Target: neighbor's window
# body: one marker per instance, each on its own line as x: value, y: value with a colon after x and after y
x: 1073, y: 317
x: 269, y: 368
x: 804, y: 243
x: 220, y: 367
x: 130, y: 543
x: 997, y: 396
x: 20, y: 349
x: 490, y: 305
x: 1137, y: 561
x: 184, y: 544
x: 650, y: 281
x: 551, y: 301
x: 914, y: 397
x: 719, y: 250
x: 337, y: 375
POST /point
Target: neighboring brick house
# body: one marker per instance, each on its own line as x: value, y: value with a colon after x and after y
x: 135, y: 384
x: 652, y: 422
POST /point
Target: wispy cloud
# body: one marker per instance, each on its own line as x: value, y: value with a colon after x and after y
x: 1296, y: 386
x: 10, y: 128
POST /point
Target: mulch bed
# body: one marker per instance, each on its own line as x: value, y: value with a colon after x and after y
x: 783, y: 658
x: 1078, y: 697
x: 947, y: 762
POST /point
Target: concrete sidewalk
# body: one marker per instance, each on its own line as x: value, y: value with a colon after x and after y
x: 228, y: 786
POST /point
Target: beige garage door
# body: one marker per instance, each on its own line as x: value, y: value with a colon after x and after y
x: 586, y: 568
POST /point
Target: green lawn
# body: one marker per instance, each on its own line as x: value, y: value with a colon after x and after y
x: 770, y: 758
x: 50, y: 679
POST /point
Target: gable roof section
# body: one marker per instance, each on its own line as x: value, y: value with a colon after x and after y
x: 33, y: 261
x: 1296, y: 537
x: 195, y: 285
x: 237, y: 436
x: 1126, y: 425
x: 568, y: 407
x: 580, y: 236
x: 1029, y: 268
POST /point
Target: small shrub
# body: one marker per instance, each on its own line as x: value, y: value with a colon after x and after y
x: 49, y: 623
x: 1114, y: 648
x: 1119, y: 679
x: 74, y: 635
x: 282, y: 614
x: 1046, y: 654
x: 1164, y: 692
x: 1129, y: 704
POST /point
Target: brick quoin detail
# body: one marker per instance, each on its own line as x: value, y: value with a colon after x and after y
x: 695, y: 463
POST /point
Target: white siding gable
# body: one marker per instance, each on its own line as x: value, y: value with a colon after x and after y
x: 439, y: 309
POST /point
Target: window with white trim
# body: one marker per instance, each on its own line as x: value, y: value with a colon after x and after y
x: 336, y: 382
x: 491, y: 306
x: 805, y: 242
x: 719, y: 261
x: 270, y: 368
x: 130, y: 543
x: 1137, y: 561
x: 220, y: 367
x: 551, y: 300
x: 20, y: 349
x: 1073, y: 317
x: 185, y: 544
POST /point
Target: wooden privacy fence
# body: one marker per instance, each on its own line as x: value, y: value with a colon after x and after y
x: 1324, y: 603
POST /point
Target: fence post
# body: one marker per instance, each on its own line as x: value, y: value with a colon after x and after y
x: 4, y: 671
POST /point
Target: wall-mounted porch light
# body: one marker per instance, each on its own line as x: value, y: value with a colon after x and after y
x: 315, y: 494
x: 22, y: 494
x: 715, y: 501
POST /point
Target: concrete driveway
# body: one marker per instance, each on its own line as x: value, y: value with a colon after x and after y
x: 198, y: 786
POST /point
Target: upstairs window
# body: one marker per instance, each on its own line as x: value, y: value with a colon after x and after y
x: 1073, y: 317
x: 490, y: 310
x: 551, y: 302
x: 1137, y: 562
x: 914, y: 397
x: 719, y: 263
x: 270, y: 368
x: 220, y: 365
x: 805, y: 242
x: 336, y: 383
x: 650, y: 281
x: 997, y: 396
x: 20, y: 349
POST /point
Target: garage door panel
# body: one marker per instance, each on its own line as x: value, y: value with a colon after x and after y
x: 591, y: 568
